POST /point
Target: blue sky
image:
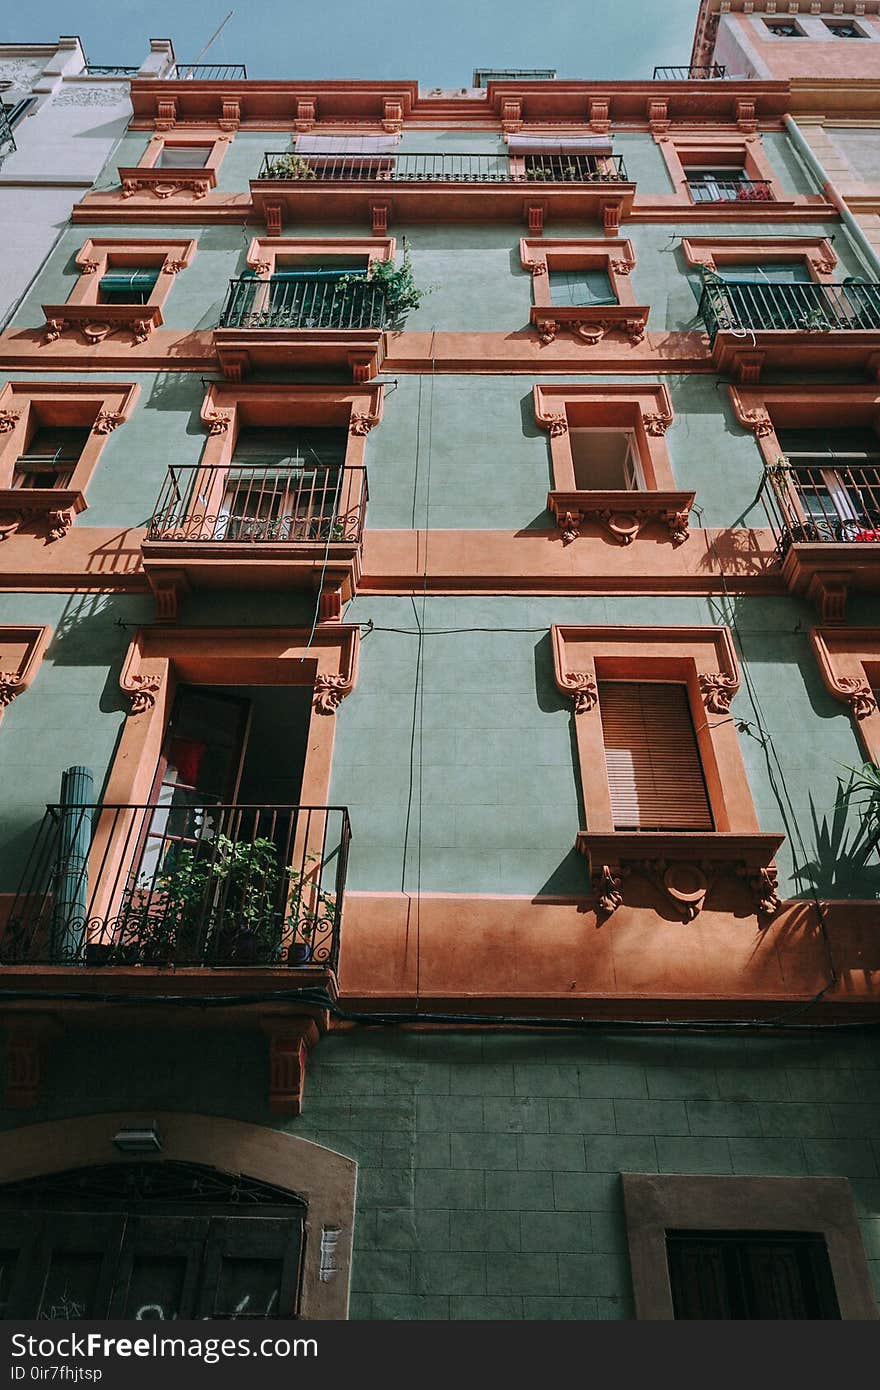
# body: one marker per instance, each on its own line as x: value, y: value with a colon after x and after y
x: 438, y: 44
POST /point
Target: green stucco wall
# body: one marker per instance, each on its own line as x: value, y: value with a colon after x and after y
x: 489, y: 1165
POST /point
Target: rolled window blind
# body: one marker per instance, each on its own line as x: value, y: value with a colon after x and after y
x: 654, y: 770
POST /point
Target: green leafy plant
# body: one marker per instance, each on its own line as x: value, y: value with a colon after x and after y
x: 289, y: 166
x: 396, y: 284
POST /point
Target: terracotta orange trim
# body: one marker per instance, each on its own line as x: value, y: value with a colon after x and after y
x: 193, y: 203
x: 265, y: 253
x: 446, y: 562
x: 158, y: 658
x: 645, y: 409
x: 714, y: 253
x: 147, y: 178
x: 560, y: 957
x: 81, y: 311
x: 24, y: 349
x: 616, y: 257
x: 21, y: 651
x: 102, y: 406
x: 849, y: 662
x: 704, y: 660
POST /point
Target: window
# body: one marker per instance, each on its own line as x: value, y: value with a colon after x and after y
x: 794, y: 272
x: 607, y: 460
x: 150, y: 1241
x: 54, y: 436
x: 282, y: 484
x: 750, y: 1275
x: 716, y: 183
x: 787, y: 260
x: 745, y: 1247
x: 51, y: 455
x: 655, y: 774
x: 126, y: 286
x: 652, y: 708
x: 183, y: 156
x: 783, y: 31
x: 836, y: 478
x: 841, y: 30
x: 581, y: 287
x: 607, y: 442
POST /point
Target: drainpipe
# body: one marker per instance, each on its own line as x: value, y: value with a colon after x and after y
x: 72, y: 868
x: 863, y: 246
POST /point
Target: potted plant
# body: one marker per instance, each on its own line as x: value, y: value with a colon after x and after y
x: 289, y: 166
x: 252, y: 912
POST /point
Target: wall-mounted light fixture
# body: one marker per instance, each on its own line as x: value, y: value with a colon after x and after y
x: 138, y: 1139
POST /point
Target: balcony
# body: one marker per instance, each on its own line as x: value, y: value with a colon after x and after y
x: 258, y: 526
x: 433, y: 187
x: 705, y: 72
x: 218, y: 886
x: 207, y: 72
x: 319, y: 320
x: 826, y: 520
x: 802, y: 326
x: 110, y: 70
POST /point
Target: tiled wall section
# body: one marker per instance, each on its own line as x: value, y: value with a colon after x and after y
x: 489, y: 1181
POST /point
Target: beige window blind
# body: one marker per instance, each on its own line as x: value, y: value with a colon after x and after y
x: 655, y: 774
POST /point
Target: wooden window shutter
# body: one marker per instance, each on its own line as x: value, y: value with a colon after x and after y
x: 655, y: 774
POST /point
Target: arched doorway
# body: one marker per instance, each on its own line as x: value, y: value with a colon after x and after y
x: 228, y: 1221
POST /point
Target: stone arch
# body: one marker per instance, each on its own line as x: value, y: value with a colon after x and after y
x: 323, y: 1179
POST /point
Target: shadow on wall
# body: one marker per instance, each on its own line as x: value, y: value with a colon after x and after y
x: 846, y: 861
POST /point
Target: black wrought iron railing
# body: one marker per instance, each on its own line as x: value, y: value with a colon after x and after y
x: 261, y: 503
x: 442, y: 168
x: 749, y: 306
x: 705, y: 72
x: 110, y: 70
x: 306, y: 302
x: 179, y: 884
x: 731, y: 190
x: 823, y: 501
x: 208, y: 72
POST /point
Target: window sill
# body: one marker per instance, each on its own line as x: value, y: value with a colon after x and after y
x: 683, y: 865
x: 164, y: 183
x: 589, y: 322
x: 97, y: 321
x: 623, y: 514
x: 21, y: 506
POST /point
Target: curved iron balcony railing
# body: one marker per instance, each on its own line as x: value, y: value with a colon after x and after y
x: 443, y: 168
x: 749, y: 307
x: 208, y: 72
x: 179, y: 884
x: 823, y: 501
x: 706, y: 72
x: 307, y: 302
x: 110, y: 70
x: 731, y: 190
x: 261, y: 503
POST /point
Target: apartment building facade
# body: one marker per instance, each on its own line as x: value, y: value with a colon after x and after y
x: 441, y: 544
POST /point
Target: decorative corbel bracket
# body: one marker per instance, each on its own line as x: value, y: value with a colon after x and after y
x: 290, y: 1042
